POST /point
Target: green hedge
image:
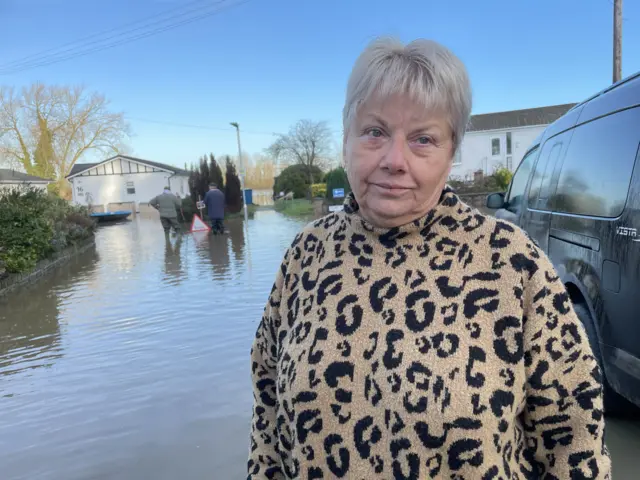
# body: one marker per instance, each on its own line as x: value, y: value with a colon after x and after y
x: 337, y: 178
x: 296, y: 179
x: 34, y: 224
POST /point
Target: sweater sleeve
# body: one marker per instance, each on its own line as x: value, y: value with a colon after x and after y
x: 563, y: 417
x: 264, y: 460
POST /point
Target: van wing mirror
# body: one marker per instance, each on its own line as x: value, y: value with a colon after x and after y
x: 495, y: 201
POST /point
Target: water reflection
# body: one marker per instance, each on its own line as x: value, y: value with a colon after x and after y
x: 30, y: 335
x: 217, y: 249
x: 172, y: 259
x: 237, y: 236
x: 32, y: 332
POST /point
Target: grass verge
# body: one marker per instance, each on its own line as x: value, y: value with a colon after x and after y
x: 294, y: 208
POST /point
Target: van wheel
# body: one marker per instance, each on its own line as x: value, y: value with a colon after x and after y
x: 614, y: 403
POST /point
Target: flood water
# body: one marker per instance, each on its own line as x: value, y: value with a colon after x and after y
x: 133, y: 361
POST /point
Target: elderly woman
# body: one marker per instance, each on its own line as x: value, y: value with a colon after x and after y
x: 410, y: 336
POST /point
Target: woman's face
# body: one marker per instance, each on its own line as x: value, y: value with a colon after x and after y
x: 398, y: 157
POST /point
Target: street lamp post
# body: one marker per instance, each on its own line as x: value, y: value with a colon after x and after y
x: 617, y: 41
x: 242, y: 174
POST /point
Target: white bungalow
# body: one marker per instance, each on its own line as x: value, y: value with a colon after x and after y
x: 124, y: 181
x: 501, y: 139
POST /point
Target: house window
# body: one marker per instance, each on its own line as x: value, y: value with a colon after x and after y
x: 495, y: 147
x: 131, y: 189
x: 508, y: 143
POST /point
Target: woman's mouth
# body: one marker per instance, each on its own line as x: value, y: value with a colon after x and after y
x: 391, y: 189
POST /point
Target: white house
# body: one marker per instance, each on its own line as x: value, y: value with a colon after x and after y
x: 124, y: 180
x: 10, y: 179
x: 501, y: 139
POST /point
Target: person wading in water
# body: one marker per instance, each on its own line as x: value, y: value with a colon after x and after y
x: 214, y: 201
x: 167, y: 204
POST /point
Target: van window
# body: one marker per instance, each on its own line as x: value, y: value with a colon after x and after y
x: 598, y: 165
x: 541, y: 175
x: 519, y: 182
x: 546, y: 171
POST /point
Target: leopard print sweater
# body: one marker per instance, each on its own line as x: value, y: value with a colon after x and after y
x: 446, y: 348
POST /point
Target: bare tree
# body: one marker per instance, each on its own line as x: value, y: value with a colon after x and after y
x: 307, y: 143
x: 47, y: 129
x: 261, y: 174
x: 338, y: 157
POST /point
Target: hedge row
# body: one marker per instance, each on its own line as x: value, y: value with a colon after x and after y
x: 34, y: 224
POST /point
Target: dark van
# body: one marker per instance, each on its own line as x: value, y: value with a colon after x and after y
x: 577, y: 194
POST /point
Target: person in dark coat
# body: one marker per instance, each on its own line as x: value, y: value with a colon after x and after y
x: 214, y: 201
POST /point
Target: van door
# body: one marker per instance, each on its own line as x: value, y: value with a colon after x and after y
x: 595, y: 236
x: 515, y: 199
x: 536, y: 218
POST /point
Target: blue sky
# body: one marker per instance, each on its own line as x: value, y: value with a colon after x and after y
x: 268, y: 63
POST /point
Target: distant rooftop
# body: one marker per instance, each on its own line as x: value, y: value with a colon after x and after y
x: 81, y: 167
x: 518, y: 118
x: 8, y: 175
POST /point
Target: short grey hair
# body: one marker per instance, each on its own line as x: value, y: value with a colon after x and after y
x: 425, y: 70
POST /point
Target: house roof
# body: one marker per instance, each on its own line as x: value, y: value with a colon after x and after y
x: 81, y: 167
x: 518, y: 118
x: 11, y: 176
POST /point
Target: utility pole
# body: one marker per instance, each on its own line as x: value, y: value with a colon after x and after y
x: 617, y: 41
x: 242, y: 174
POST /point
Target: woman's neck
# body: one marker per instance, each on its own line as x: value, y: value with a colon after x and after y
x: 447, y: 206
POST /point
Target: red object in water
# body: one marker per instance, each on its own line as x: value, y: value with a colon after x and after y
x: 197, y: 225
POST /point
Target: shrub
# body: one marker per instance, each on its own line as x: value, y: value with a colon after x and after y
x: 188, y: 209
x: 319, y: 190
x: 232, y: 190
x: 457, y: 185
x: 502, y: 177
x: 34, y: 223
x: 296, y: 179
x: 337, y: 178
x: 499, y: 181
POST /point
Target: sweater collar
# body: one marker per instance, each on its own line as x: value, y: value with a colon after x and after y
x: 446, y: 214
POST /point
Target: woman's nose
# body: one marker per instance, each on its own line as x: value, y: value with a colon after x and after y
x: 395, y: 159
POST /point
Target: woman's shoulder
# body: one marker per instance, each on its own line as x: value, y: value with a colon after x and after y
x: 313, y: 234
x: 501, y: 241
x: 322, y: 226
x: 498, y: 233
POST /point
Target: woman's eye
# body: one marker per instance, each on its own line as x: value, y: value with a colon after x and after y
x: 374, y: 132
x: 424, y: 140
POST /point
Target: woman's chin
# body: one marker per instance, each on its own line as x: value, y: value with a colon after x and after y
x: 393, y: 212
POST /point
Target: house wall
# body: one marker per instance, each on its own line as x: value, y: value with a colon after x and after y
x: 476, y: 152
x: 180, y: 184
x: 109, y: 183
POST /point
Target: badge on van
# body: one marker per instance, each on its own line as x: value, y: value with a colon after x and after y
x: 628, y: 232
